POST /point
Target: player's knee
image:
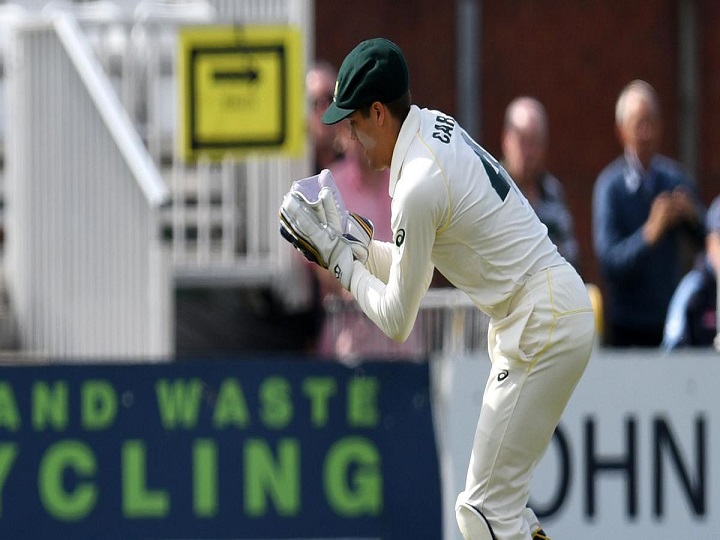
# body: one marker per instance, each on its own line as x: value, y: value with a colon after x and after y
x: 472, y: 523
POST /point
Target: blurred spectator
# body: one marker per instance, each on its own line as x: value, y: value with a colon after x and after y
x: 643, y: 202
x: 692, y: 315
x: 365, y: 190
x: 347, y: 333
x: 319, y: 87
x: 342, y: 330
x: 524, y: 146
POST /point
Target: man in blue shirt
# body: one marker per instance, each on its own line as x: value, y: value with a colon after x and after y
x: 692, y: 315
x: 642, y: 204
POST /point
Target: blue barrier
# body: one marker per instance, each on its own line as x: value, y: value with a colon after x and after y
x: 262, y: 449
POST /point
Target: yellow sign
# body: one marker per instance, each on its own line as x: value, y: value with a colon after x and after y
x: 241, y: 91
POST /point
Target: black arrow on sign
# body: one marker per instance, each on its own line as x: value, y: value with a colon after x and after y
x: 248, y: 75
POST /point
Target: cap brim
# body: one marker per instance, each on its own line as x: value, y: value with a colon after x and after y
x: 334, y: 114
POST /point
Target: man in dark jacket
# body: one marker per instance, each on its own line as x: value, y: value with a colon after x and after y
x: 643, y: 204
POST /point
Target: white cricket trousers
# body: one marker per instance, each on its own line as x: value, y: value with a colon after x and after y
x: 538, y: 351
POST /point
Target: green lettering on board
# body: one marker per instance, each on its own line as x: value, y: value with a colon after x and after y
x: 319, y: 390
x: 50, y: 406
x: 137, y: 500
x: 8, y: 453
x: 61, y: 503
x: 205, y: 478
x: 179, y: 402
x: 99, y: 405
x: 9, y: 416
x: 231, y: 408
x: 276, y: 408
x: 270, y: 478
x: 353, y: 478
x: 362, y: 402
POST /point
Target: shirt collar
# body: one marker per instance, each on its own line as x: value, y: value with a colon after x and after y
x: 634, y: 171
x: 408, y: 130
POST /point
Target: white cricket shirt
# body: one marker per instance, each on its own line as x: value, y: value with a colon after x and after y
x: 453, y: 207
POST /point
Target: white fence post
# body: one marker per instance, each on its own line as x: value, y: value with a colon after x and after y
x: 87, y: 273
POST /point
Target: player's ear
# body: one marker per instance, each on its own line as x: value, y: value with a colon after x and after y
x: 377, y: 113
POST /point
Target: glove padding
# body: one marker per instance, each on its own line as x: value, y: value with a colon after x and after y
x: 315, y: 203
x: 319, y: 242
x: 293, y: 201
x: 308, y: 251
x: 355, y: 228
x: 360, y: 230
x: 331, y: 200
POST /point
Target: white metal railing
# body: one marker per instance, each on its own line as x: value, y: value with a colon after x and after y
x: 87, y: 273
x: 220, y: 220
x: 223, y: 218
x: 227, y: 231
x: 264, y: 11
x: 213, y: 209
x: 448, y: 323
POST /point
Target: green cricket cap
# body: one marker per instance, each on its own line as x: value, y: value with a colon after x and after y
x: 375, y: 70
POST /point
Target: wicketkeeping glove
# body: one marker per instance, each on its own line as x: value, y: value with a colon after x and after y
x: 355, y: 228
x: 287, y: 212
x: 316, y: 202
x: 311, y: 187
x: 319, y: 242
x: 360, y: 230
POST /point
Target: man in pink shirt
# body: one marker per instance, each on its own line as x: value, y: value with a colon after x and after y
x: 346, y: 332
